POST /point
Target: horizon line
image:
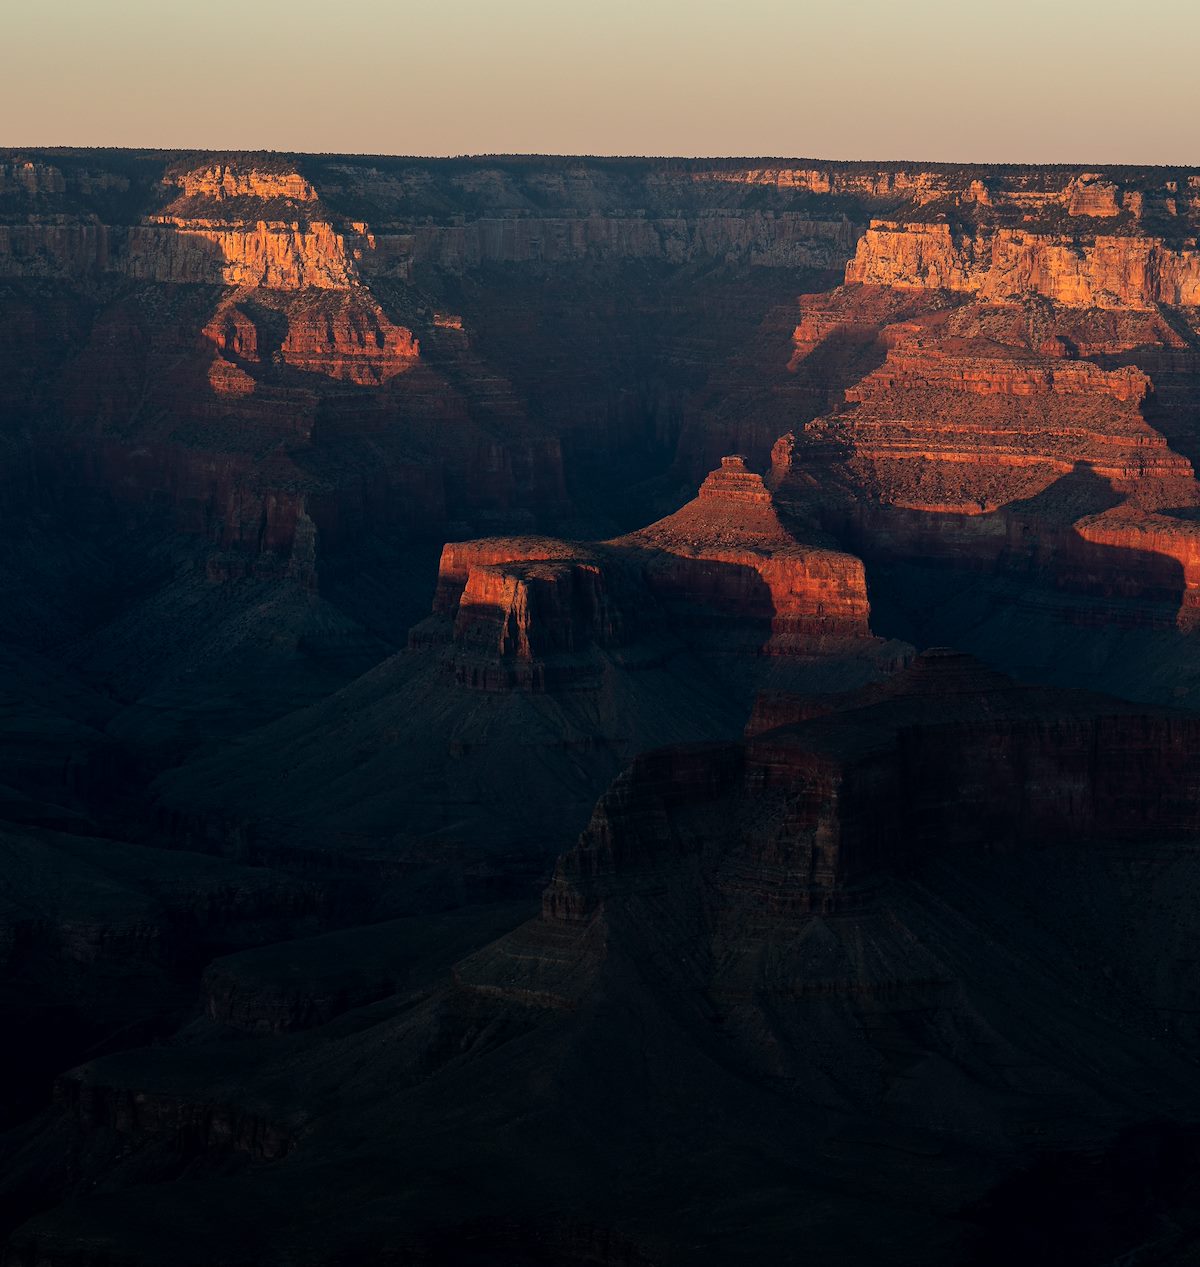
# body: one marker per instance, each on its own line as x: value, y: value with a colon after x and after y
x: 513, y: 155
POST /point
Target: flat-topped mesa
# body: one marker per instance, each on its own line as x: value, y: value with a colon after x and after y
x: 460, y: 558
x: 1109, y: 270
x: 242, y: 225
x: 528, y: 613
x: 524, y: 609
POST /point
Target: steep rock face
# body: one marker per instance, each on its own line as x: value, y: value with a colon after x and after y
x: 457, y: 215
x: 459, y: 558
x: 257, y: 221
x: 946, y: 755
x: 29, y: 177
x: 456, y: 767
x: 357, y: 261
x: 530, y: 608
x: 525, y: 621
x: 223, y: 226
x: 890, y: 907
x: 273, y: 410
x: 533, y: 613
x: 79, y: 251
x: 991, y: 424
x: 183, y: 393
x: 166, y: 403
x: 276, y: 256
x: 1084, y: 194
x: 544, y: 666
x: 950, y: 908
x: 1107, y: 271
x: 662, y: 811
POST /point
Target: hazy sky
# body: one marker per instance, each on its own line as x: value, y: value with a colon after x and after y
x: 988, y: 80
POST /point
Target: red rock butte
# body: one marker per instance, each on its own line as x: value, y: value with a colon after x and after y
x: 724, y: 562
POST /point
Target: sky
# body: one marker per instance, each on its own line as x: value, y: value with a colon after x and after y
x: 1092, y: 81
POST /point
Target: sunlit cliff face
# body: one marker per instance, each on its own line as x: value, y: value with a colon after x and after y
x: 998, y: 264
x: 998, y: 330
x: 236, y: 227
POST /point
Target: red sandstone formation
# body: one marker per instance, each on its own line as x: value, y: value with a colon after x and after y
x: 729, y: 549
x: 985, y: 436
x: 724, y: 565
x: 349, y: 339
x: 526, y: 610
x: 460, y: 558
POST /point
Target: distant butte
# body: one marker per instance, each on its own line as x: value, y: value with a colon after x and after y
x: 724, y: 563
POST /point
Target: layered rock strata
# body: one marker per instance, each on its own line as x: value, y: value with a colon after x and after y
x: 346, y: 266
x: 723, y: 569
x: 1103, y: 271
x: 1018, y: 436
